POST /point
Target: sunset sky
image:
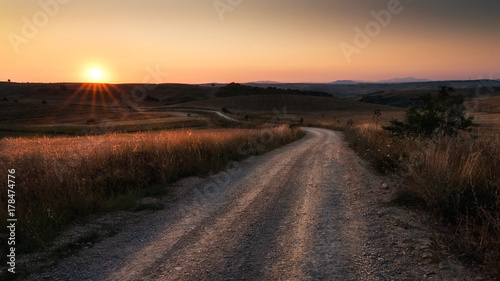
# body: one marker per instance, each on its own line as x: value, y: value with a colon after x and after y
x: 200, y: 41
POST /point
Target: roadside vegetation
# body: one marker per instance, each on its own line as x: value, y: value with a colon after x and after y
x: 61, y: 179
x: 452, y: 169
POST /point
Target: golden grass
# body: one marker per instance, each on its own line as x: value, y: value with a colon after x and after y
x: 359, y: 118
x: 60, y: 179
x: 456, y: 177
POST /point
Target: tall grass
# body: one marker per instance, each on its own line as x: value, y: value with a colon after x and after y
x: 460, y: 178
x: 60, y: 179
x: 456, y: 177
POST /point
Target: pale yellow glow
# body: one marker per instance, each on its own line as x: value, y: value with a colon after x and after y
x: 96, y: 75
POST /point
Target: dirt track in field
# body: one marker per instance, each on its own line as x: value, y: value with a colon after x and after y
x: 308, y: 211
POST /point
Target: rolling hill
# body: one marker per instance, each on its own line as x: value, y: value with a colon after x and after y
x: 405, y: 98
x: 293, y: 103
x: 59, y: 92
x: 75, y: 108
x: 355, y: 91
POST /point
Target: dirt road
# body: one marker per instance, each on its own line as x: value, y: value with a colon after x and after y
x: 308, y: 211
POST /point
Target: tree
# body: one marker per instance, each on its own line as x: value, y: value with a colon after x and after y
x: 8, y: 80
x: 441, y: 114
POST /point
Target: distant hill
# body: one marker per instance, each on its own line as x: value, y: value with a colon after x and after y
x: 487, y: 91
x: 293, y: 103
x: 235, y: 89
x: 59, y: 92
x: 356, y: 91
x: 233, y: 96
x: 344, y: 82
x: 264, y: 82
x: 404, y: 80
x: 245, y: 98
x: 258, y: 97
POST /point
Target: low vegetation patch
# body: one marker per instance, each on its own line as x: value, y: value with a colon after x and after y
x: 63, y: 178
x: 452, y: 170
x: 458, y: 178
x: 235, y: 89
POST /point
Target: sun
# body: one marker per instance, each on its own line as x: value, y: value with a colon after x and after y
x: 96, y: 75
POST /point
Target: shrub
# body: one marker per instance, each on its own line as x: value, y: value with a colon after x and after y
x: 443, y: 114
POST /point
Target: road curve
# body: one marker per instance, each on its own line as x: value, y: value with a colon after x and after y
x: 296, y: 213
x: 280, y: 219
x: 225, y: 116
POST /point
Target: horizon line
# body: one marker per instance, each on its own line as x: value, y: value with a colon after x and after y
x: 385, y: 81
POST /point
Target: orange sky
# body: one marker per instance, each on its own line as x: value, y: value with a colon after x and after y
x: 213, y: 41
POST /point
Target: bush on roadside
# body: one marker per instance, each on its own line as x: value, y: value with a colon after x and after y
x: 443, y: 114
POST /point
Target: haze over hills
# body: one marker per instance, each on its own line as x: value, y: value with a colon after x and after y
x: 403, y: 80
x: 347, y: 90
x: 352, y: 82
x: 346, y: 82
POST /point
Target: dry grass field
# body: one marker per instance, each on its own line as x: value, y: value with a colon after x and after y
x: 62, y: 178
x: 457, y: 178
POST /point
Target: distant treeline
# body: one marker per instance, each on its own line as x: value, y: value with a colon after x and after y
x: 235, y: 89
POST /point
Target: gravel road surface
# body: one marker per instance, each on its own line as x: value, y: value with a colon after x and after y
x: 311, y: 210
